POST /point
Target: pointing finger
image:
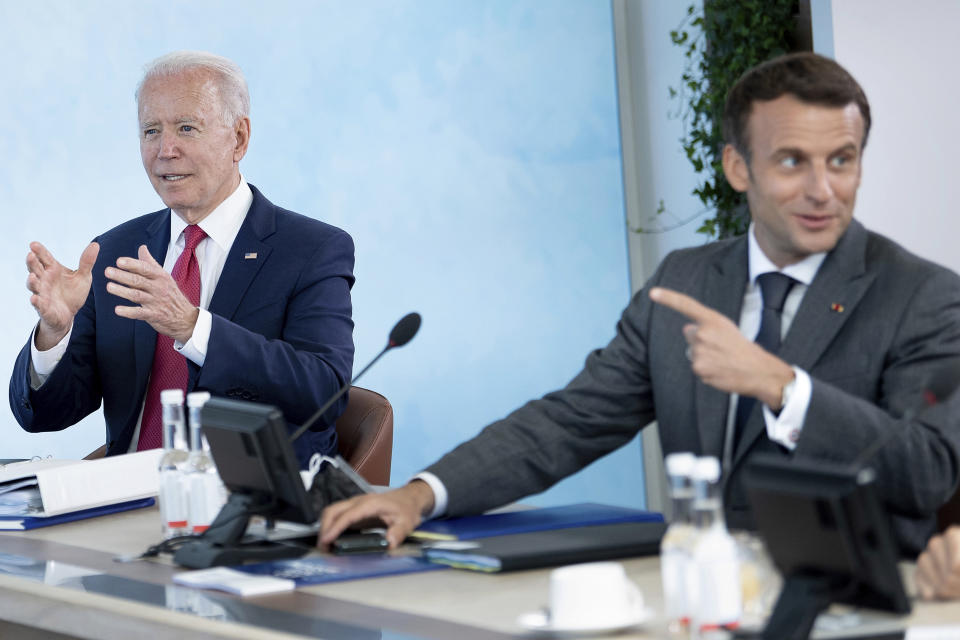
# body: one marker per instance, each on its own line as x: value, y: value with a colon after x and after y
x: 681, y: 303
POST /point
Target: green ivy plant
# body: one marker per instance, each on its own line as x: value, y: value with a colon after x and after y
x: 720, y: 42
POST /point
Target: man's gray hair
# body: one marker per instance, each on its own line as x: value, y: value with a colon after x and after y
x: 234, y: 97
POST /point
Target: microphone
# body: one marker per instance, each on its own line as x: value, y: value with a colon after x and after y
x: 401, y: 334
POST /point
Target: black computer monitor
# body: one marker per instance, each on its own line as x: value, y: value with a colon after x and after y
x: 250, y: 445
x: 829, y: 535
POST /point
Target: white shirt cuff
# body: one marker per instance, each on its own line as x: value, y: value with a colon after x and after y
x: 785, y: 429
x: 195, y: 349
x: 42, y: 363
x: 439, y: 493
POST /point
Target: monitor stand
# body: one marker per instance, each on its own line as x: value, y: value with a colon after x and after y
x: 801, y: 600
x: 225, y: 542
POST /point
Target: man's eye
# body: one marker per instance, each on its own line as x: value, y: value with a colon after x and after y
x: 186, y: 128
x: 839, y: 161
x: 149, y: 132
x: 789, y: 162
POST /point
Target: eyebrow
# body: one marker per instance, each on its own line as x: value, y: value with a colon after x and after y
x: 788, y: 151
x: 847, y: 147
x: 180, y: 120
x: 800, y: 152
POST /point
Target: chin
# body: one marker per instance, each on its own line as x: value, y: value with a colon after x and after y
x: 173, y: 197
x: 819, y: 245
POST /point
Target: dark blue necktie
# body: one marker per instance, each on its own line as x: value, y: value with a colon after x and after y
x: 774, y: 288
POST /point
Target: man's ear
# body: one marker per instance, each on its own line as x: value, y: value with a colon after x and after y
x: 242, y: 132
x: 735, y: 168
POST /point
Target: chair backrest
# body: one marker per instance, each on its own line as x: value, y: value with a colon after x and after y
x: 365, y: 434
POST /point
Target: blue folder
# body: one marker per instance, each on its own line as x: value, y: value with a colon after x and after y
x: 22, y: 523
x: 321, y: 569
x: 530, y: 520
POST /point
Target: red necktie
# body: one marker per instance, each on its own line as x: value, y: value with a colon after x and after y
x: 169, y: 367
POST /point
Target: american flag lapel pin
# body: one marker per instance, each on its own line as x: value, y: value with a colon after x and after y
x: 837, y: 307
x: 250, y: 256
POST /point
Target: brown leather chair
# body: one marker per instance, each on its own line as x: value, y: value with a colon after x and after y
x: 97, y: 453
x: 365, y: 433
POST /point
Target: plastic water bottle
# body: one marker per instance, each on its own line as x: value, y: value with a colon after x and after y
x: 173, y: 492
x: 676, y: 547
x: 206, y: 492
x: 716, y: 573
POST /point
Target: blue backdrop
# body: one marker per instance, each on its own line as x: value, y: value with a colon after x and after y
x: 470, y: 148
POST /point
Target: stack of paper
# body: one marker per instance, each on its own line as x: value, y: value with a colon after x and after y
x: 44, y: 492
x: 233, y: 581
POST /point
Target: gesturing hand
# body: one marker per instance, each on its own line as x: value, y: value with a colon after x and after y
x: 161, y: 303
x: 721, y: 357
x: 58, y: 292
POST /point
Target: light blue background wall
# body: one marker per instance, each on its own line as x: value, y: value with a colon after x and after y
x: 470, y: 148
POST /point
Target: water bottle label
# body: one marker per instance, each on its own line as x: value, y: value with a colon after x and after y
x: 205, y: 501
x: 173, y: 500
x: 673, y: 569
x: 719, y: 589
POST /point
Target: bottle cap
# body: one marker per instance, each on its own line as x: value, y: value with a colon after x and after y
x: 707, y: 468
x: 197, y: 399
x: 171, y: 396
x: 680, y: 464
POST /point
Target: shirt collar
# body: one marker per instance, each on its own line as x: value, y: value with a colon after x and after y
x: 224, y: 222
x: 804, y: 271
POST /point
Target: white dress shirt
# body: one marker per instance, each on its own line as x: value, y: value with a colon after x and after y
x: 784, y: 428
x: 221, y: 227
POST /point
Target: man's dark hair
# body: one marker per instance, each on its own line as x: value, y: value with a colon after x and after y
x: 807, y: 76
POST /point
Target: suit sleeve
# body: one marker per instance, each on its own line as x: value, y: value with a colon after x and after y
x: 312, y: 357
x: 547, y: 439
x: 919, y: 465
x: 71, y: 392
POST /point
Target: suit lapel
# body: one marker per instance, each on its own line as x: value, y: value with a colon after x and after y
x: 144, y: 336
x: 246, y: 257
x: 830, y: 300
x: 723, y: 289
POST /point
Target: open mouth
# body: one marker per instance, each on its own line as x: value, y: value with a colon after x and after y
x: 173, y: 177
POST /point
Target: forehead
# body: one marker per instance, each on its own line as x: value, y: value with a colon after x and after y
x: 789, y: 123
x: 189, y: 93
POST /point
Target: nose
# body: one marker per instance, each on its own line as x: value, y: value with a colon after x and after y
x: 818, y: 187
x: 168, y: 146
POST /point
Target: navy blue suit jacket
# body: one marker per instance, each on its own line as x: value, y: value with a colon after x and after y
x: 282, y: 331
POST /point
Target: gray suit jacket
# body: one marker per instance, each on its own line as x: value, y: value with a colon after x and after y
x: 874, y: 328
